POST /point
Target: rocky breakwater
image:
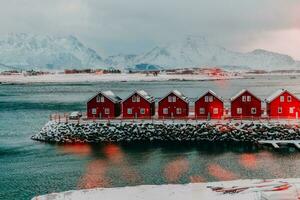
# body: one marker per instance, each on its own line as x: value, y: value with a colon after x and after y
x: 153, y: 132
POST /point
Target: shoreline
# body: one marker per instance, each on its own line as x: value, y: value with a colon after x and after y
x: 250, y: 189
x: 92, y: 78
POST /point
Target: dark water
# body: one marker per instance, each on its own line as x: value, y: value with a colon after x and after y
x: 29, y: 168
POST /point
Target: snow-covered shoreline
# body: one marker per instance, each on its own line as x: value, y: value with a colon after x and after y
x: 254, y: 189
x: 78, y: 78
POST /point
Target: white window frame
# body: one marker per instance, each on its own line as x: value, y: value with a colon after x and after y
x: 244, y: 98
x: 142, y: 111
x: 210, y: 98
x: 215, y: 111
x: 291, y: 110
x: 202, y: 111
x: 94, y: 111
x: 178, y: 111
x: 138, y: 99
x: 170, y: 99
x: 239, y: 111
x: 165, y: 111
x: 248, y: 98
x: 253, y: 111
x: 279, y: 110
x: 98, y: 99
x: 174, y: 98
x: 289, y: 98
x: 281, y: 98
x: 106, y: 111
x: 133, y: 98
x: 129, y: 111
x: 206, y: 99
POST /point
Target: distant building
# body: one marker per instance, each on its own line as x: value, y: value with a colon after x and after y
x: 245, y: 105
x: 104, y: 105
x: 174, y: 105
x: 138, y: 105
x: 283, y: 104
x: 209, y: 106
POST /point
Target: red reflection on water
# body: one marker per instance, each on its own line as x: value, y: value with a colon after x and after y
x: 197, y: 179
x: 77, y: 149
x: 248, y: 161
x: 175, y: 169
x: 94, y: 176
x: 114, y: 153
x: 220, y: 173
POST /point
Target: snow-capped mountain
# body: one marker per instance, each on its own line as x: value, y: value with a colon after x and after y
x: 121, y: 61
x: 197, y: 51
x: 27, y: 51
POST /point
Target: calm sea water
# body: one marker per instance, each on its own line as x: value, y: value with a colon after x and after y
x: 29, y: 168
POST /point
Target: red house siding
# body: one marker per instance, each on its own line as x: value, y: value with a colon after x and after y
x: 172, y: 107
x: 212, y: 108
x: 293, y: 104
x: 136, y: 107
x: 114, y: 108
x: 246, y: 106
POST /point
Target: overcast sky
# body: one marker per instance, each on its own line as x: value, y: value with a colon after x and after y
x: 134, y: 26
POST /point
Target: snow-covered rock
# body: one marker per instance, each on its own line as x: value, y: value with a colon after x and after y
x: 28, y: 51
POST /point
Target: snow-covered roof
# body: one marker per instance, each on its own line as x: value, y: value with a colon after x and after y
x: 178, y: 94
x: 242, y: 92
x: 278, y: 93
x: 213, y: 93
x: 143, y: 94
x: 108, y: 94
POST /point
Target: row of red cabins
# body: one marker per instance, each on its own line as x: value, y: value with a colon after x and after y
x: 104, y: 105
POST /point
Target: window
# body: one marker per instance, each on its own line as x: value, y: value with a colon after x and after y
x: 210, y: 99
x: 165, y: 111
x: 243, y: 98
x: 248, y: 98
x: 98, y: 99
x: 291, y: 110
x: 279, y: 109
x: 202, y: 111
x: 253, y: 111
x: 94, y: 111
x: 170, y: 99
x: 289, y: 99
x: 281, y: 98
x: 106, y: 111
x: 138, y: 99
x: 239, y: 111
x: 206, y: 99
x: 178, y: 111
x: 142, y: 111
x: 129, y: 111
x: 216, y: 111
x: 174, y: 99
x: 133, y: 98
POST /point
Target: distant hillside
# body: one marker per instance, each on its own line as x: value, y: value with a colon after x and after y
x: 27, y: 51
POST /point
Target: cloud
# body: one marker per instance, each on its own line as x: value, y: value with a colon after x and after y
x: 132, y: 26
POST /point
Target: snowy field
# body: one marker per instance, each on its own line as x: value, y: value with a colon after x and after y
x: 283, y: 189
x: 72, y: 78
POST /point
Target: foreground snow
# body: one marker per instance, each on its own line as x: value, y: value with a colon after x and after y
x: 233, y: 190
x: 62, y: 78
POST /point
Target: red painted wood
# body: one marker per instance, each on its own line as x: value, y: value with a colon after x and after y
x: 100, y: 108
x: 209, y: 107
x: 172, y: 106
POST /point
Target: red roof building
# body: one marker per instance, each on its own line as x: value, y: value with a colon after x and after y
x: 104, y: 105
x: 245, y: 105
x: 174, y: 105
x: 283, y: 104
x: 209, y: 106
x: 138, y: 105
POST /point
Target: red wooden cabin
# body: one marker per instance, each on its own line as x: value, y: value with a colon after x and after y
x: 174, y: 105
x: 283, y: 104
x: 245, y: 105
x: 209, y: 106
x: 104, y: 105
x: 138, y: 105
